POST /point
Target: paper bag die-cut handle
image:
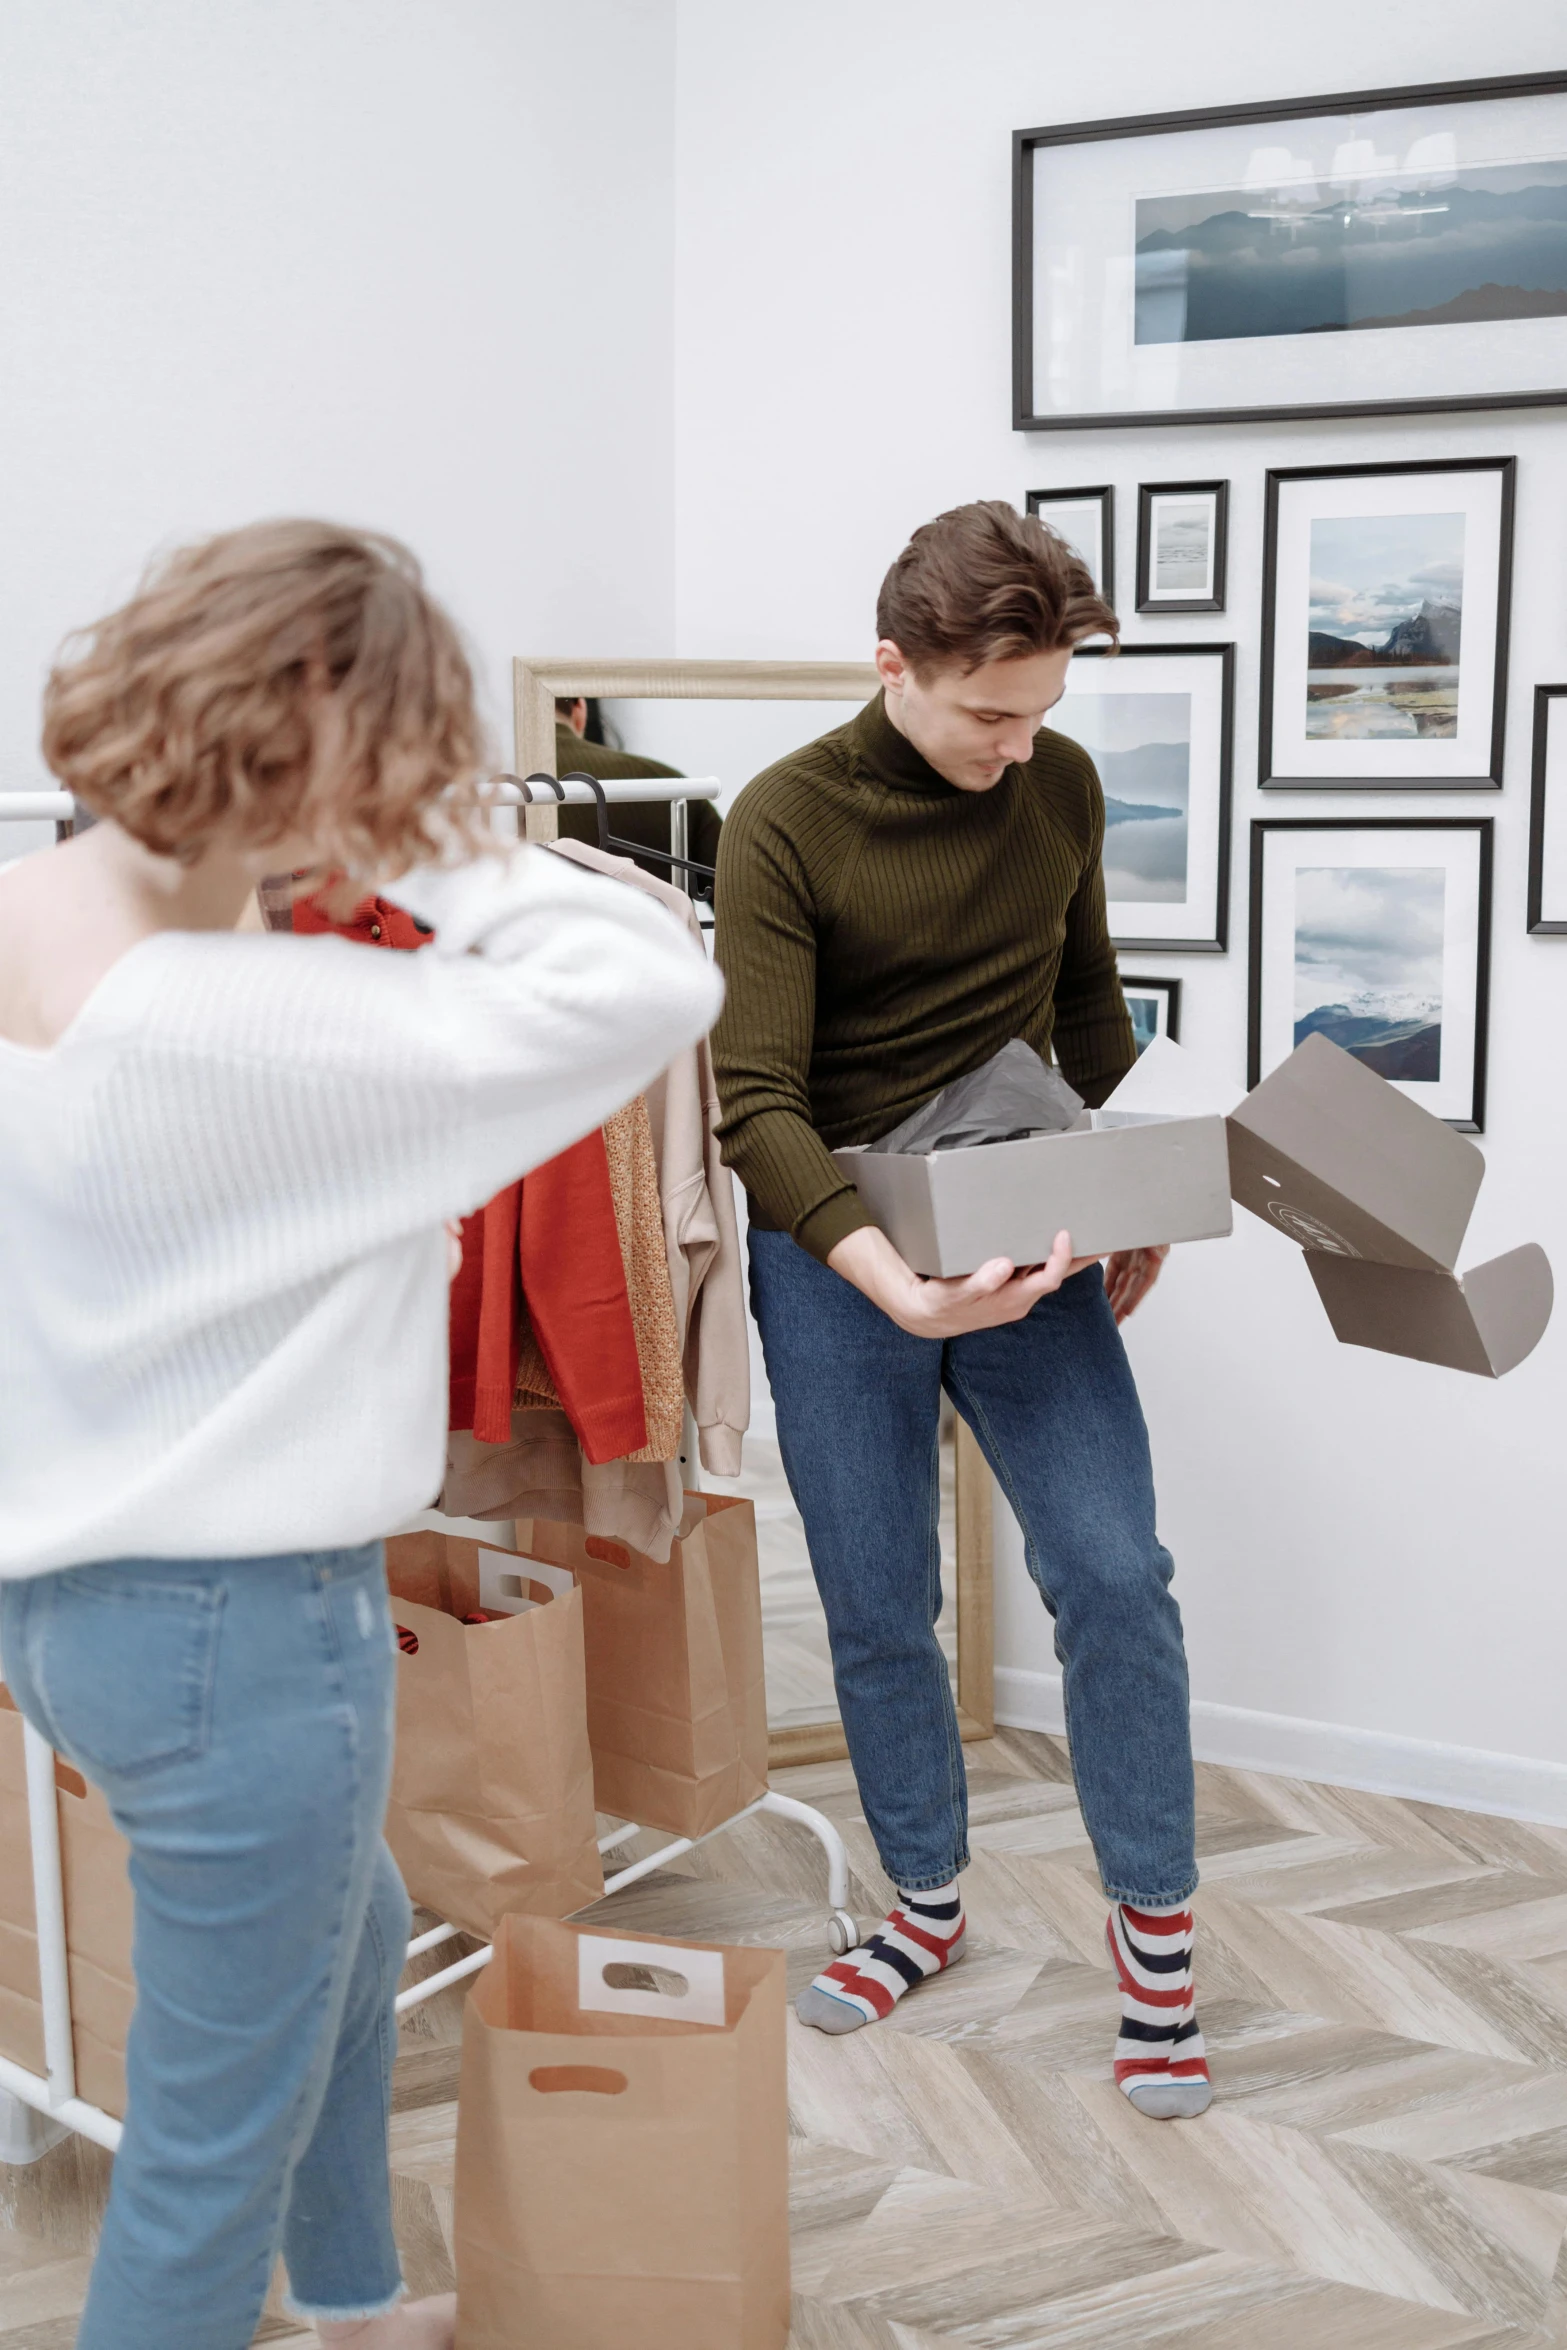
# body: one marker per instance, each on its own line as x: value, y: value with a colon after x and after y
x: 702, y: 2002
x: 504, y: 1580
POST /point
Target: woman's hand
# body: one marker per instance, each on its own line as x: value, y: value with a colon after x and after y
x: 996, y: 1294
x: 1129, y: 1276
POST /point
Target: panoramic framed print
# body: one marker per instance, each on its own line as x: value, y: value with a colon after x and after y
x: 1086, y: 520
x: 1155, y: 1006
x: 1375, y: 933
x: 1548, y: 814
x: 1182, y: 527
x: 1158, y: 721
x: 1385, y: 593
x: 1372, y: 254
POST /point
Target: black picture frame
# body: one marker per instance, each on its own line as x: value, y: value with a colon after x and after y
x: 1147, y: 491
x: 1485, y: 826
x: 1104, y: 491
x: 1024, y: 142
x: 1544, y: 697
x: 1170, y: 989
x: 1219, y: 944
x: 1507, y: 467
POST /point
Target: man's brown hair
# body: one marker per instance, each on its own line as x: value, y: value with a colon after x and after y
x: 285, y: 677
x: 985, y: 583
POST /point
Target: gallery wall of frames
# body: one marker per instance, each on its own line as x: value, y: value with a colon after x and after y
x: 1402, y: 252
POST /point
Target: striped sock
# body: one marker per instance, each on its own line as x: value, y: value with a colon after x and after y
x: 920, y: 1937
x: 1160, y: 2060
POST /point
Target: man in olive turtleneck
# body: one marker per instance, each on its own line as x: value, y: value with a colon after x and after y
x: 896, y: 902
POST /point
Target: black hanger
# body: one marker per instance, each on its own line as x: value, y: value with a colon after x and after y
x: 608, y: 841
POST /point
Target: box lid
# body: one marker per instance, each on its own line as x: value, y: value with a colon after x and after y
x: 1344, y: 1163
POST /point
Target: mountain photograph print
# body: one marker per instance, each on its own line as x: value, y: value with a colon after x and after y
x: 1367, y: 254
x: 1373, y: 933
x: 1385, y: 613
x: 1141, y: 745
x: 1362, y: 251
x: 1368, y: 964
x: 1384, y: 624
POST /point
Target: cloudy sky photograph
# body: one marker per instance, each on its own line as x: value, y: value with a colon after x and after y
x: 1369, y: 571
x: 1370, y: 937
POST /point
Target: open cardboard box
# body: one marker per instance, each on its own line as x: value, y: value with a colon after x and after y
x: 1378, y: 1193
x: 1375, y: 1190
x: 1140, y: 1171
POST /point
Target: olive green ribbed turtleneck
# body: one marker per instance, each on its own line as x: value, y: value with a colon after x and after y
x: 882, y: 933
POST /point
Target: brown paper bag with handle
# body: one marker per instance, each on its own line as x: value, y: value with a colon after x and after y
x: 98, y: 1922
x: 677, y: 1701
x: 492, y: 1786
x: 622, y: 2146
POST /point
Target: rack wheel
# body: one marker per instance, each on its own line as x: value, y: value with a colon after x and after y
x: 842, y: 1933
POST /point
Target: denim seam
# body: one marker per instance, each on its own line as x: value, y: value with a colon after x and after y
x: 957, y: 1776
x: 1000, y: 1471
x: 312, y: 2312
x: 1151, y: 1900
x: 298, y: 2138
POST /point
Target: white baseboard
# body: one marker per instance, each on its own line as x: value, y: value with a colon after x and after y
x: 1468, y: 1777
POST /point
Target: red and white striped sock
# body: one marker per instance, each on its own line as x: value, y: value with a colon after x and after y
x: 918, y: 1939
x: 1160, y: 2060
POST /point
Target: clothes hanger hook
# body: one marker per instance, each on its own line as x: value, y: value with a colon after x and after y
x: 597, y: 789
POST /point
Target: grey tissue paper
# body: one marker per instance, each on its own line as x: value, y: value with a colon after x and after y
x: 1012, y: 1094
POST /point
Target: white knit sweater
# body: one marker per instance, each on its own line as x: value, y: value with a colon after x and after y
x: 223, y: 1274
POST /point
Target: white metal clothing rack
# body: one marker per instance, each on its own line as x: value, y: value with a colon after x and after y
x: 51, y: 2095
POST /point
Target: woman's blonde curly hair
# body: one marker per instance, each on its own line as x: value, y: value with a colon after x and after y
x: 192, y: 715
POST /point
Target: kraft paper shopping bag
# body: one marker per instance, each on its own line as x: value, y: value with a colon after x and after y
x: 622, y: 2146
x: 677, y: 1700
x: 492, y: 1787
x: 98, y: 1922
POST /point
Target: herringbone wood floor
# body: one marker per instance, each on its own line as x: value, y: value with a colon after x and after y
x: 1384, y: 1987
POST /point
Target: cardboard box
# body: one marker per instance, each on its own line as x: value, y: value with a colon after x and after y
x: 1131, y: 1175
x: 1375, y: 1191
x: 1378, y: 1194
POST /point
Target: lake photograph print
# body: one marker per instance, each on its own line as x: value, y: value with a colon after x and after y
x: 1141, y: 745
x: 1385, y: 615
x: 1183, y: 549
x: 1368, y: 964
x: 1364, y: 249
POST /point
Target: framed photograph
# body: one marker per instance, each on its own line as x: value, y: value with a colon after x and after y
x: 1158, y: 721
x: 1155, y: 1006
x: 1086, y: 520
x: 1182, y: 527
x: 1385, y: 592
x: 1548, y: 814
x: 1375, y: 933
x: 1376, y: 254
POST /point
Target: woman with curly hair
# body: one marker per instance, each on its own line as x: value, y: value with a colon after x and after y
x: 226, y: 1161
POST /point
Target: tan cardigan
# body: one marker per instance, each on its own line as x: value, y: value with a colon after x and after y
x: 542, y: 1473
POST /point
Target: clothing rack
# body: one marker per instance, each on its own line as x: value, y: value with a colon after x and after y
x: 37, y: 2110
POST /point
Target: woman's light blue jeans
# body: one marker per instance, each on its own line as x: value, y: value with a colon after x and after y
x: 237, y: 1714
x: 1052, y: 1402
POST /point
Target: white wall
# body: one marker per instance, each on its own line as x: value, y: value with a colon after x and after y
x: 1369, y: 1551
x: 404, y: 262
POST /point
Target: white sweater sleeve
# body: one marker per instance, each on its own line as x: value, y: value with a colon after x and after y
x: 395, y: 1090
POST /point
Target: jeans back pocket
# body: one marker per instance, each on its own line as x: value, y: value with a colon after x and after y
x: 124, y: 1666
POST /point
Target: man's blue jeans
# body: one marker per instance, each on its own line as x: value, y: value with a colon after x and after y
x: 238, y: 1715
x: 1052, y: 1402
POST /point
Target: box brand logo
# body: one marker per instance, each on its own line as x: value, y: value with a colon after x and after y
x: 1309, y: 1231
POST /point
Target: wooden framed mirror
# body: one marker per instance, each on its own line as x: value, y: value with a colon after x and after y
x: 738, y: 717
